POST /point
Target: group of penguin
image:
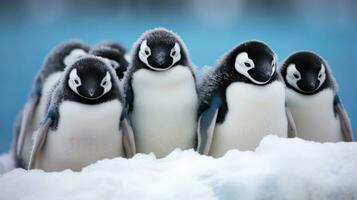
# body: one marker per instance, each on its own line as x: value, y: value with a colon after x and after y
x: 88, y: 104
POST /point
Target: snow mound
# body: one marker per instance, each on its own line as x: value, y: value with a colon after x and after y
x: 279, y: 169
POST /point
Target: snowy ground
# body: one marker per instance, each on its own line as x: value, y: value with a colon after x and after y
x: 279, y: 169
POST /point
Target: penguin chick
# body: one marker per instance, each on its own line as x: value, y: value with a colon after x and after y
x: 84, y: 121
x: 161, y: 94
x: 311, y: 93
x: 242, y: 100
x: 35, y: 108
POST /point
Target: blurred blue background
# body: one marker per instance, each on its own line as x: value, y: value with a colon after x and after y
x: 30, y: 28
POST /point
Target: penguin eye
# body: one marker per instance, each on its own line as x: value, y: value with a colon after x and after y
x: 176, y: 53
x: 114, y: 64
x: 293, y: 73
x: 247, y: 64
x: 144, y: 49
x: 74, y: 81
x: 321, y: 75
x: 106, y: 83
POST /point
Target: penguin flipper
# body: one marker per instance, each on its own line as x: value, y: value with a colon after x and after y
x: 292, y: 131
x: 26, y: 118
x: 128, y: 138
x: 345, y: 122
x: 206, y: 125
x: 39, y: 140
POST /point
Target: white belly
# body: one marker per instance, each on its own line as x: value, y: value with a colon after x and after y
x: 253, y: 112
x: 85, y: 134
x: 40, y: 112
x: 314, y: 116
x: 165, y: 109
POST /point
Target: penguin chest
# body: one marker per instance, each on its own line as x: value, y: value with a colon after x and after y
x: 85, y: 134
x: 314, y: 116
x: 165, y: 109
x: 253, y: 112
x: 39, y: 112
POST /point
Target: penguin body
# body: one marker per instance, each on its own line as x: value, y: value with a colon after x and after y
x: 161, y: 93
x: 84, y: 120
x: 250, y: 117
x: 34, y: 110
x: 311, y: 94
x: 242, y: 101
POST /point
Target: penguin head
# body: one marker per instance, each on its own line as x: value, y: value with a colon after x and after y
x: 90, y: 78
x: 115, y: 54
x: 159, y: 50
x: 255, y: 61
x: 65, y: 54
x: 305, y: 72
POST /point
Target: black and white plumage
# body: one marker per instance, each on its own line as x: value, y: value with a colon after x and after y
x: 84, y: 121
x: 242, y: 100
x: 311, y: 93
x: 161, y: 93
x: 116, y: 54
x: 35, y: 108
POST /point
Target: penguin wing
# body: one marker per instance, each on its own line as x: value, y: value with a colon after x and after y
x: 24, y: 126
x: 39, y: 139
x: 128, y: 138
x: 206, y: 125
x: 344, y: 120
x: 292, y: 132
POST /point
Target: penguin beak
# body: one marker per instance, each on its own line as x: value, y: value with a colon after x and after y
x: 160, y: 58
x: 262, y: 73
x: 308, y: 83
x: 90, y: 90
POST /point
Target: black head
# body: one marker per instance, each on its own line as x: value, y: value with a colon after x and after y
x: 90, y: 78
x: 253, y: 60
x: 305, y: 72
x: 159, y: 50
x: 115, y: 53
x: 64, y: 54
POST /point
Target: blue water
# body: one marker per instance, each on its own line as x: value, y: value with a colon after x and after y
x: 24, y: 42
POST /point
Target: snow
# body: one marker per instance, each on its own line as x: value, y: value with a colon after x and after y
x: 278, y: 169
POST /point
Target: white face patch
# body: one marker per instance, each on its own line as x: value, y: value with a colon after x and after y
x: 175, y: 53
x: 293, y: 76
x: 73, y: 56
x: 106, y: 83
x: 74, y: 81
x: 322, y: 75
x: 145, y: 52
x: 243, y: 64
